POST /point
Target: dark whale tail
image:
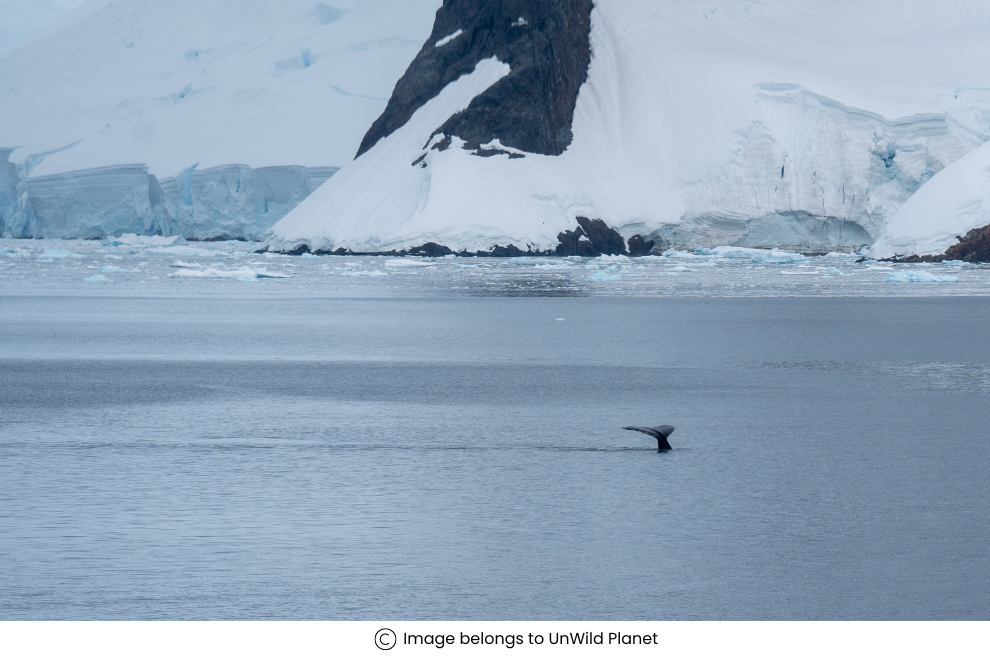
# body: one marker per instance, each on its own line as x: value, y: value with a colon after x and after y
x: 661, y: 433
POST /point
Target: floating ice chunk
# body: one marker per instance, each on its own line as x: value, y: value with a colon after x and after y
x: 446, y: 40
x: 561, y: 319
x: 954, y: 263
x: 680, y: 269
x: 703, y: 252
x: 134, y: 239
x: 612, y: 259
x: 183, y: 264
x: 842, y: 255
x: 407, y: 263
x: 918, y: 277
x: 365, y: 273
x: 60, y: 254
x: 183, y: 250
x: 799, y: 272
x: 261, y: 274
x: 832, y: 270
x: 97, y: 278
x: 603, y: 276
x: 780, y: 257
x: 244, y: 273
x: 114, y: 269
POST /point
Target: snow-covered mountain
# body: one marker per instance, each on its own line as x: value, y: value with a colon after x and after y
x: 760, y: 123
x: 201, y: 117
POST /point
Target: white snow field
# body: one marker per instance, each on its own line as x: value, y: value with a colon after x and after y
x: 22, y: 17
x: 797, y: 124
x: 201, y: 118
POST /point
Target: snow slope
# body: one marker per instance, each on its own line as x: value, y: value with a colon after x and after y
x: 771, y: 123
x: 183, y: 87
x: 175, y: 83
x: 22, y: 17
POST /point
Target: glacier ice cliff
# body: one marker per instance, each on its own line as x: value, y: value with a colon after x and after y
x: 226, y: 202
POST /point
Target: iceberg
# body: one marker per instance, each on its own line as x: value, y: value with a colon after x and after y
x: 604, y: 276
x: 917, y: 277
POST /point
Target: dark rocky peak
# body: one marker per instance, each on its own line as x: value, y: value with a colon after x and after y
x: 545, y: 42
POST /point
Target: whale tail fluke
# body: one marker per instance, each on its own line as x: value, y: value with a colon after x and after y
x: 661, y: 433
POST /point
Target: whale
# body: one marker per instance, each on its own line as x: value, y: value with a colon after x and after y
x: 661, y: 433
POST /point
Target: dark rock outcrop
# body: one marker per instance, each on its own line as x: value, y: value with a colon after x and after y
x: 974, y: 246
x: 430, y: 250
x: 592, y: 238
x: 545, y: 42
x: 639, y: 246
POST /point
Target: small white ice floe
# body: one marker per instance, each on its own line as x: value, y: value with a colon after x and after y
x: 780, y: 257
x: 799, y: 272
x: 407, y: 263
x: 135, y: 240
x: 680, y: 269
x: 613, y: 259
x: 183, y: 264
x: 59, y: 254
x: 918, y: 277
x: 114, y: 269
x: 954, y: 263
x: 364, y: 273
x: 182, y: 250
x: 245, y: 274
x: 97, y: 278
x: 519, y: 22
x: 446, y: 40
x: 561, y: 319
x: 603, y: 276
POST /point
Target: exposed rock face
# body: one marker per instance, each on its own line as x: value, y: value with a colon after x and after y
x: 545, y: 42
x: 974, y: 246
x: 639, y: 246
x: 591, y: 239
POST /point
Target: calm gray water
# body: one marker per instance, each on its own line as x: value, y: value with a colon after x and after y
x: 305, y: 458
